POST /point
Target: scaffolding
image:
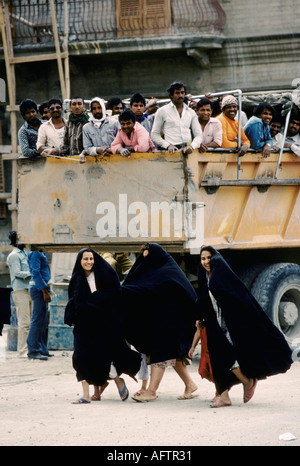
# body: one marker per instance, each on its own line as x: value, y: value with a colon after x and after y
x: 61, y: 56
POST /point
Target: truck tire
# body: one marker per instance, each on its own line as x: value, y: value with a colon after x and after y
x: 277, y: 289
x: 250, y: 273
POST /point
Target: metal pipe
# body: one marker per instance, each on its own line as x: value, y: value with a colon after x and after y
x: 282, y: 146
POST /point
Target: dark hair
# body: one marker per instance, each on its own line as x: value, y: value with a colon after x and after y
x: 138, y: 98
x: 175, y: 85
x: 145, y: 247
x: 294, y: 116
x: 277, y: 118
x: 259, y: 109
x: 203, y: 102
x: 208, y: 248
x: 127, y: 115
x: 76, y: 98
x: 113, y: 101
x: 13, y: 237
x: 27, y: 104
x: 42, y: 107
x: 54, y: 101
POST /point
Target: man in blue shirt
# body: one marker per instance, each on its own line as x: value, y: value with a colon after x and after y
x: 20, y: 276
x: 40, y: 295
x: 100, y: 131
x: 257, y: 129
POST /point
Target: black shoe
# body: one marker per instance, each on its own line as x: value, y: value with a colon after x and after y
x: 37, y: 356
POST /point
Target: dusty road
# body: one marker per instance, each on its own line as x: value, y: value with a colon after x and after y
x: 36, y: 409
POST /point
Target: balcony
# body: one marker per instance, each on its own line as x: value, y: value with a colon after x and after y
x: 98, y: 26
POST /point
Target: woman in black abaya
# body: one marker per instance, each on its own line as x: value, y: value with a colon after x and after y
x: 160, y: 316
x: 244, y: 345
x: 100, y: 350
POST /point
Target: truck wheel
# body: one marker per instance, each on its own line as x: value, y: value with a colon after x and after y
x: 277, y: 289
x: 250, y: 273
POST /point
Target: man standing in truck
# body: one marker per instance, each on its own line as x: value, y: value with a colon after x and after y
x: 73, y: 144
x: 178, y: 123
x: 292, y: 140
x: 100, y: 131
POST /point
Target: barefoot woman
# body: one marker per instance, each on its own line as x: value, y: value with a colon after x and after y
x: 244, y: 345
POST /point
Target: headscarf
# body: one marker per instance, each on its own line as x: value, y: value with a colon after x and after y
x: 159, y: 306
x: 97, y: 123
x: 98, y: 332
x: 257, y: 344
x: 107, y: 284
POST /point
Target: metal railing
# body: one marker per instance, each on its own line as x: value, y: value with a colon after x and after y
x: 94, y: 20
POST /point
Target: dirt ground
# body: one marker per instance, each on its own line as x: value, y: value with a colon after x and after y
x: 36, y: 410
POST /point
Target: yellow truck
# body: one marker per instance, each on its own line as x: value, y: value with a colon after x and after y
x: 248, y: 208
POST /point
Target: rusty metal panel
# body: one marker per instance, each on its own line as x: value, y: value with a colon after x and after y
x: 108, y: 201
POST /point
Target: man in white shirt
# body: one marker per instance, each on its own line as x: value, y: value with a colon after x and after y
x: 51, y: 133
x: 178, y: 122
x: 275, y: 130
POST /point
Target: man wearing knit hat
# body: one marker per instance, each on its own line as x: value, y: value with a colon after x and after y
x: 230, y: 126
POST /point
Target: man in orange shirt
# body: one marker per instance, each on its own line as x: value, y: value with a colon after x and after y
x: 230, y: 126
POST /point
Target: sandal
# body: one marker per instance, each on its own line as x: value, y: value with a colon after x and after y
x: 124, y: 392
x: 139, y: 393
x: 96, y: 398
x: 80, y: 401
x: 143, y: 399
x: 103, y: 387
x: 248, y: 394
x: 187, y: 396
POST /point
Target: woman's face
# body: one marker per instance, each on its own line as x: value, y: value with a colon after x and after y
x: 205, y: 260
x: 87, y: 262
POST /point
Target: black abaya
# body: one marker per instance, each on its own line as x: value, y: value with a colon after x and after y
x: 257, y: 344
x: 98, y: 328
x: 159, y: 307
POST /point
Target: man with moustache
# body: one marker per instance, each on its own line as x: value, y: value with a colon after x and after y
x: 230, y: 126
x: 28, y: 133
x: 44, y: 111
x: 211, y: 127
x: 51, y: 133
x: 292, y: 140
x: 178, y: 123
x: 100, y: 131
x: 73, y: 139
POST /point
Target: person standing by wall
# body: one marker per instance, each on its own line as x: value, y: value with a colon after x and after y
x: 40, y: 295
x: 20, y: 276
